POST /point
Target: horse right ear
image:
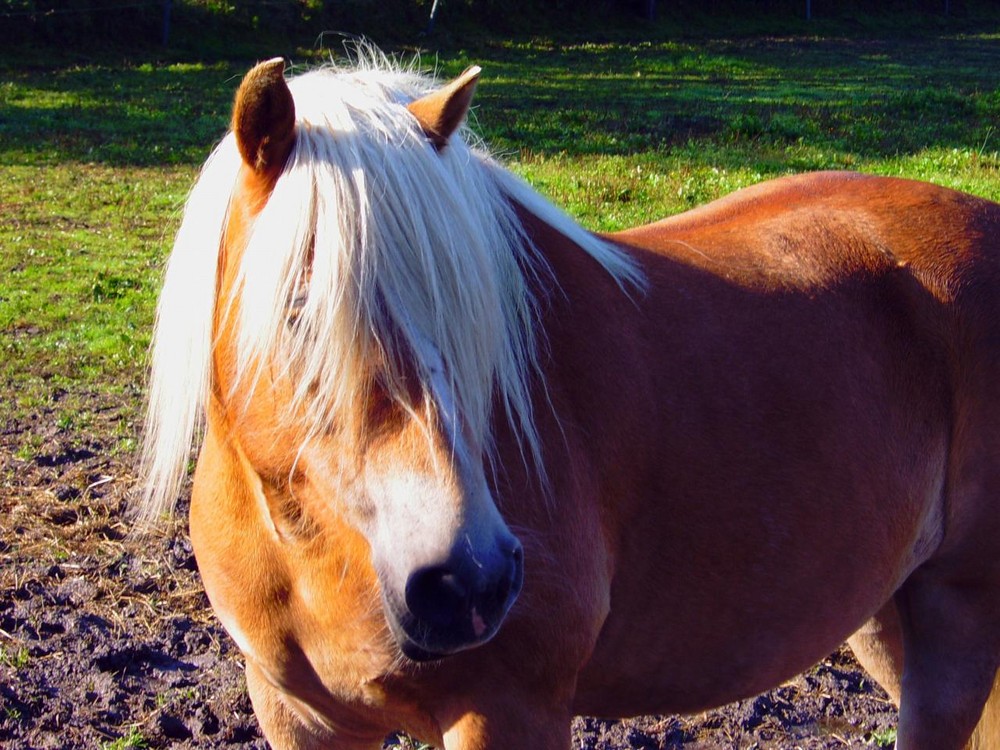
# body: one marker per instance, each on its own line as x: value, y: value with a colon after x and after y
x: 442, y: 112
x: 264, y: 117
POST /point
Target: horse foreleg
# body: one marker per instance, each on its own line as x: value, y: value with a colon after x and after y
x: 284, y: 727
x: 951, y: 642
x: 518, y: 724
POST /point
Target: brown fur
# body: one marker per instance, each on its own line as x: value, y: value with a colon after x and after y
x: 264, y: 117
x: 441, y: 113
x: 794, y: 430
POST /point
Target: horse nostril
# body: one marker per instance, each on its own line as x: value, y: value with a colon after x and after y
x: 436, y: 595
x: 497, y: 598
x: 465, y: 599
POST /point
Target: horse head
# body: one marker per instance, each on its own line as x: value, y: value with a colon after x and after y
x: 336, y: 380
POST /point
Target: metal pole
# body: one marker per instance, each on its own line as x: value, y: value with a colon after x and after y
x: 430, y: 22
x: 809, y: 10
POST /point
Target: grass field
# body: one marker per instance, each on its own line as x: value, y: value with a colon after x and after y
x: 96, y: 160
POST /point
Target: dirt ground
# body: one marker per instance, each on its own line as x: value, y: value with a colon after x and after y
x: 109, y: 643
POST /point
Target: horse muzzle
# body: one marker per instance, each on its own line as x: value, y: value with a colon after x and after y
x: 457, y: 605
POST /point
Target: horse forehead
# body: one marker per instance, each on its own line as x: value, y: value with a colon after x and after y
x: 432, y: 362
x: 352, y: 101
x: 460, y: 448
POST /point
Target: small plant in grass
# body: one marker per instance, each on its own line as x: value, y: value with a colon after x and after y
x: 25, y: 452
x: 15, y: 658
x: 176, y: 695
x: 405, y: 742
x: 124, y: 446
x: 109, y: 287
x: 132, y: 739
x: 883, y: 737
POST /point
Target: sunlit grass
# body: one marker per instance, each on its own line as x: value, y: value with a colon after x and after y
x: 95, y: 160
x: 79, y: 273
x: 143, y: 115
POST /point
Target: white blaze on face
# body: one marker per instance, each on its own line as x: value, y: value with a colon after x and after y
x: 422, y: 515
x: 467, y: 462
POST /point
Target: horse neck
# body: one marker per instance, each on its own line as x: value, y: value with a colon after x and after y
x: 590, y: 355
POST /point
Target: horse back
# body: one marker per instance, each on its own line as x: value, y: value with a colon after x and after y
x: 806, y: 387
x: 839, y: 221
x: 928, y: 256
x: 925, y: 256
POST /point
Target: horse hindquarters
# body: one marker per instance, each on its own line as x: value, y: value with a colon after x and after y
x: 936, y: 646
x: 950, y: 607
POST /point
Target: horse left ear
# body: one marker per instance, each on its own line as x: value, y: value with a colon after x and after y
x: 441, y: 113
x: 264, y: 117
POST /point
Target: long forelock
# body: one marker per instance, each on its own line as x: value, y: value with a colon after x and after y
x: 396, y: 246
x: 372, y: 246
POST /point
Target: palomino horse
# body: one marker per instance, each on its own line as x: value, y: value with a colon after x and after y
x: 468, y: 469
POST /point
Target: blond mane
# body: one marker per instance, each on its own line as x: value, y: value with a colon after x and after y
x: 381, y: 245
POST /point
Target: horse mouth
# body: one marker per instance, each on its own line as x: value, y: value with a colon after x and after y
x: 413, y: 652
x: 421, y: 644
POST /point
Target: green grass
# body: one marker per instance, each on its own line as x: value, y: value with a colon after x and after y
x: 623, y: 133
x: 82, y: 249
x: 883, y: 738
x: 15, y: 659
x: 95, y: 159
x: 133, y: 739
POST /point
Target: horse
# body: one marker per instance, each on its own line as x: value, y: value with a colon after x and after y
x: 467, y: 469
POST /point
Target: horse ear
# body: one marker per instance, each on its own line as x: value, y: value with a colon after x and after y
x: 441, y: 113
x: 264, y: 117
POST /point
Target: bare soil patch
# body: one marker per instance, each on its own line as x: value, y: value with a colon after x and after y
x: 107, y: 641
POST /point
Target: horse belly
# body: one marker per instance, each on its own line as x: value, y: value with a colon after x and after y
x: 697, y: 624
x: 786, y: 500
